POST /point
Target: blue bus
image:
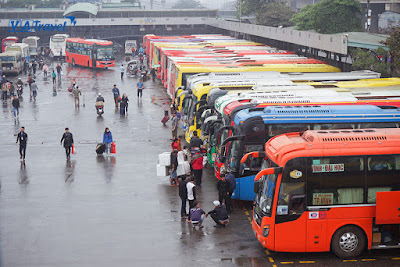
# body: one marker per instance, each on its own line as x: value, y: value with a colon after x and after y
x: 253, y: 127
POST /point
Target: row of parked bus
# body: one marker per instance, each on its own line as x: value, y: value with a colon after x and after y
x: 317, y: 150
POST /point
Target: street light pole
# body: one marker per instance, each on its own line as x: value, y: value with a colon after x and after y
x: 240, y: 12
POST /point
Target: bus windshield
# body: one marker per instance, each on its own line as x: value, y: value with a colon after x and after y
x: 7, y: 58
x: 265, y: 195
x: 104, y: 53
x: 58, y: 39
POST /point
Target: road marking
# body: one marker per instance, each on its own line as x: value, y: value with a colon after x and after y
x: 270, y: 259
x: 249, y: 219
x: 349, y: 260
x: 287, y: 262
x: 267, y: 252
x: 246, y: 212
x: 367, y: 259
x: 274, y: 265
x: 396, y: 259
x: 307, y: 261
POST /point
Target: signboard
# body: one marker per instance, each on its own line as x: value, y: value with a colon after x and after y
x: 328, y: 168
x: 322, y: 199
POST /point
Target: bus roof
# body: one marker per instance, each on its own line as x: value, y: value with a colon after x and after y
x: 11, y: 38
x: 319, y: 114
x: 316, y: 143
x: 89, y: 41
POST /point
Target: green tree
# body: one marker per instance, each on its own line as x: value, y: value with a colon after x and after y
x: 187, y: 4
x: 274, y: 14
x: 330, y: 16
x: 371, y: 60
x: 250, y: 7
x: 393, y: 43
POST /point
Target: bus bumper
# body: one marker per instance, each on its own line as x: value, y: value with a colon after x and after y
x: 266, y: 240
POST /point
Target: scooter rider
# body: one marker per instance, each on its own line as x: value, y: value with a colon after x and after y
x: 99, y: 102
x: 20, y: 85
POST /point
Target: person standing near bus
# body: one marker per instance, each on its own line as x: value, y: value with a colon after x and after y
x: 34, y: 65
x: 115, y: 92
x: 22, y: 137
x: 153, y: 74
x: 174, y: 121
x: 197, y: 165
x: 122, y: 71
x: 59, y: 69
x: 140, y: 87
x: 191, y: 194
x: 68, y: 142
x: 25, y: 67
x: 222, y: 187
x: 230, y: 178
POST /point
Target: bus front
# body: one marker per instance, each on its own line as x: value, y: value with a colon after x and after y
x: 105, y: 56
x: 58, y: 44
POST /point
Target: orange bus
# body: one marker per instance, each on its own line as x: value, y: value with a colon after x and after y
x: 90, y: 53
x: 331, y: 190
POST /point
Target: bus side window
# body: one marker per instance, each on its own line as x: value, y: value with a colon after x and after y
x: 291, y: 199
x: 335, y: 181
x: 382, y: 175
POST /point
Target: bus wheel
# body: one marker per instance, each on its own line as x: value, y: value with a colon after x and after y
x: 348, y: 242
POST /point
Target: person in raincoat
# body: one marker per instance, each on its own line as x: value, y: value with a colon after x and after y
x: 107, y: 139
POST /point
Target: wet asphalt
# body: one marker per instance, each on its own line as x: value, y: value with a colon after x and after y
x: 113, y: 211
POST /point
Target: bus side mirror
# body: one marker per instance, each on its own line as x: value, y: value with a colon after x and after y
x: 267, y: 172
x: 256, y: 186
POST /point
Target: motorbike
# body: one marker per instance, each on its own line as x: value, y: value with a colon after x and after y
x: 19, y: 90
x: 100, y: 110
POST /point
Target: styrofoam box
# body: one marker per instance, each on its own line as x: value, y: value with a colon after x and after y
x: 183, y: 168
x: 181, y: 157
x: 162, y: 170
x: 164, y: 159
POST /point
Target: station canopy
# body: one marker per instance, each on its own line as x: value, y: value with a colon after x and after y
x: 82, y: 8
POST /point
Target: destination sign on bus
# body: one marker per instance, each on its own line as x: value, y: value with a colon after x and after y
x: 328, y: 168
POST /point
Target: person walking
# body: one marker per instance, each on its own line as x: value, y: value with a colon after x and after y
x: 197, y: 166
x: 34, y: 89
x: 25, y: 66
x: 34, y: 66
x: 68, y: 142
x: 222, y: 187
x: 140, y: 87
x: 125, y: 100
x: 4, y: 91
x: 219, y: 214
x: 45, y: 69
x: 115, y: 92
x: 153, y: 74
x: 59, y: 69
x: 15, y: 104
x: 22, y: 138
x: 191, y: 191
x: 230, y: 178
x: 174, y: 121
x: 107, y: 139
x: 122, y: 71
x: 183, y: 195
x: 11, y: 90
x: 179, y: 142
x: 174, y: 167
x: 29, y: 81
x: 53, y: 76
x: 76, y: 92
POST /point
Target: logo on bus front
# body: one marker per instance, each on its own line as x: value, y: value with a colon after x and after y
x: 30, y: 25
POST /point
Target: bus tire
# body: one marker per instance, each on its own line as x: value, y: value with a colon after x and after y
x: 348, y: 242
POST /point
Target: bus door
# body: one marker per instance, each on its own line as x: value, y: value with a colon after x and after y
x: 291, y: 218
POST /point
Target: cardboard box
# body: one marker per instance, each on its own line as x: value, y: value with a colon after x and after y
x: 164, y: 159
x: 162, y: 170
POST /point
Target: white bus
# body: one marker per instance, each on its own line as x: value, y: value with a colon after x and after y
x: 11, y: 62
x: 33, y: 42
x: 129, y: 44
x: 58, y: 43
x: 20, y: 47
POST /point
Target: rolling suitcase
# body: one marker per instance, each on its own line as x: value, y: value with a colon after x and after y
x: 100, y: 148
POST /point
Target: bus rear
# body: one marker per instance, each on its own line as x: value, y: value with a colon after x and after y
x: 11, y: 62
x: 8, y: 41
x: 333, y: 190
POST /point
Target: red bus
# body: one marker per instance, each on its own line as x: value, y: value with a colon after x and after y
x: 90, y: 53
x: 8, y: 41
x: 329, y: 190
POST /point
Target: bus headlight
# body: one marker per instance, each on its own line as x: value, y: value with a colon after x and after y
x: 265, y: 231
x: 222, y: 169
x: 213, y: 157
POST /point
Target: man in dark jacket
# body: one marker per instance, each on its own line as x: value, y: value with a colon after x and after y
x: 219, y: 214
x: 222, y: 187
x: 15, y: 104
x: 195, y: 141
x: 22, y: 137
x: 230, y: 178
x: 68, y: 142
x: 183, y: 196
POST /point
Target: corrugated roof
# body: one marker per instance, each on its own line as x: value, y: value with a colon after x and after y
x: 82, y: 7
